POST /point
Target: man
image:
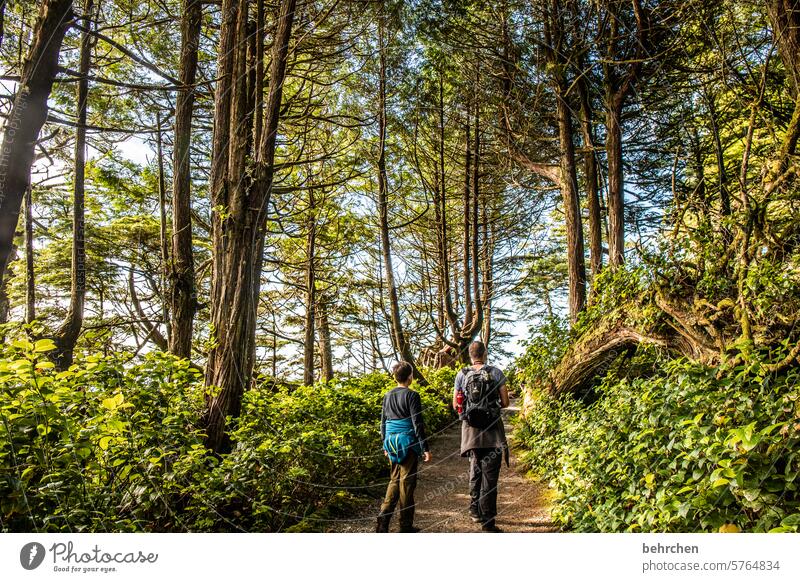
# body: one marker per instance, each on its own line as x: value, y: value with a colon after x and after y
x: 403, y: 436
x: 485, y: 441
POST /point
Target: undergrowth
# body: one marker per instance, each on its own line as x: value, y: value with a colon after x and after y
x: 668, y: 444
x: 113, y: 445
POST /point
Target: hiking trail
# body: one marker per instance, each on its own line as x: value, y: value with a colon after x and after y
x: 442, y: 495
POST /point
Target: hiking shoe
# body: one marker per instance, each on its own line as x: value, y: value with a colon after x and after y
x: 411, y: 529
x: 491, y: 528
x: 475, y: 517
x: 382, y: 525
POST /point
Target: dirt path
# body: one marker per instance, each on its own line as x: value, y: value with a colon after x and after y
x: 442, y: 494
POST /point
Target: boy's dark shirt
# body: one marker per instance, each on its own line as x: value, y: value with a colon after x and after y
x: 401, y: 403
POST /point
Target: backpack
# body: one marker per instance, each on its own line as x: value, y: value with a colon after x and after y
x: 481, y: 399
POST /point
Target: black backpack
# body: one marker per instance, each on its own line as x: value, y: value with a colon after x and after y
x: 481, y: 398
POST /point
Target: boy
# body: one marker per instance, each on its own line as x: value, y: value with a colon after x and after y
x: 403, y: 436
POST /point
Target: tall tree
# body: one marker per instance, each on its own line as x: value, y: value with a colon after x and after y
x: 624, y: 55
x: 67, y: 334
x: 311, y: 291
x: 584, y: 80
x: 399, y: 339
x: 240, y: 206
x: 555, y: 50
x: 183, y: 300
x: 28, y: 114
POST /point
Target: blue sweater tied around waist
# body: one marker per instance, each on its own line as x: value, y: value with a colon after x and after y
x: 400, y: 440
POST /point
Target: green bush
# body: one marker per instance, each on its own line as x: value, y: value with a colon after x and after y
x: 692, y: 448
x: 113, y: 445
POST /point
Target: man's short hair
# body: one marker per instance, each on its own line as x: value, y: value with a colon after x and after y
x: 477, y: 351
x: 402, y: 371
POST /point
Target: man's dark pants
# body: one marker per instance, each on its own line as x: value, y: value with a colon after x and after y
x: 484, y: 471
x: 402, y: 482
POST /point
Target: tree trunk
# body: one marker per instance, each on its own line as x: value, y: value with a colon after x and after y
x: 572, y: 212
x: 553, y: 30
x: 325, y: 351
x: 440, y: 204
x: 700, y: 171
x: 399, y: 339
x: 616, y: 208
x: 784, y: 16
x: 162, y: 212
x: 240, y: 209
x: 30, y: 281
x: 5, y: 303
x: 466, y: 249
x: 590, y: 175
x: 724, y: 194
x: 311, y: 296
x: 2, y: 20
x: 617, y: 88
x: 473, y: 324
x: 462, y: 332
x: 488, y: 272
x: 67, y: 335
x: 28, y: 114
x: 183, y: 297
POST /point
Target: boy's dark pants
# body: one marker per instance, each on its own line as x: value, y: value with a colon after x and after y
x: 403, y: 481
x: 484, y: 472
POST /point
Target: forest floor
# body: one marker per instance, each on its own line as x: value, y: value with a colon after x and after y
x: 442, y: 495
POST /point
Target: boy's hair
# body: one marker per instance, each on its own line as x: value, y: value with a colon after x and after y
x: 402, y: 371
x: 477, y: 352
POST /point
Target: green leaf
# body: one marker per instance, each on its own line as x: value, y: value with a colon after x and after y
x: 766, y: 431
x: 24, y: 345
x: 751, y: 441
x: 114, y: 402
x: 44, y: 345
x: 791, y: 520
